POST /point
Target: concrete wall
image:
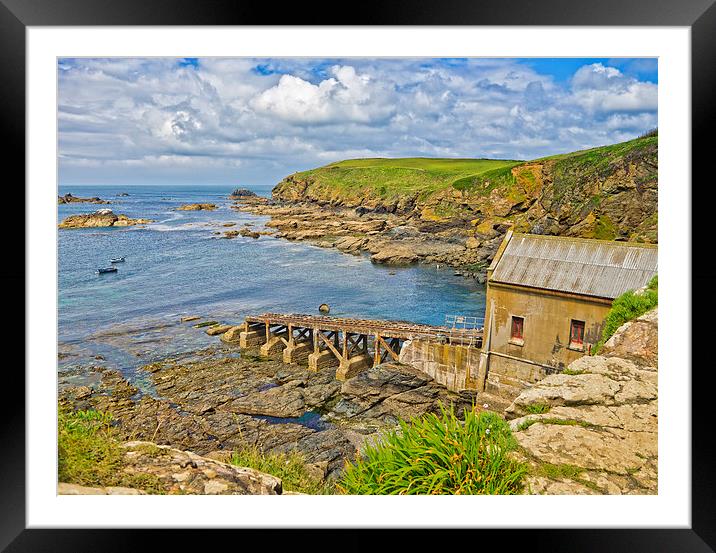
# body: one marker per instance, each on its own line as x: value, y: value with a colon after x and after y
x: 455, y: 367
x: 547, y: 320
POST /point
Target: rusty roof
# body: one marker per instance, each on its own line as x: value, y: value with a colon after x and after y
x: 599, y: 268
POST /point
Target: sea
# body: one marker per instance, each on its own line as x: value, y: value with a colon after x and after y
x: 177, y: 266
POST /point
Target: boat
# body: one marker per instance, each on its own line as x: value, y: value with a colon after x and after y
x: 106, y: 270
x: 117, y: 260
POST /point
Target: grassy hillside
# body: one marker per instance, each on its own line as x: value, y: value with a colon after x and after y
x: 608, y: 192
x: 395, y: 177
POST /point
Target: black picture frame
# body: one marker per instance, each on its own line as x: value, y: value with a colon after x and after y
x: 699, y: 15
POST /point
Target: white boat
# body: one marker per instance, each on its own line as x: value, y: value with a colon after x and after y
x: 117, y: 260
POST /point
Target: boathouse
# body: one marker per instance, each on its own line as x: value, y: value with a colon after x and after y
x: 547, y: 299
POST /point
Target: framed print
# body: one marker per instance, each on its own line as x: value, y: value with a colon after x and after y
x: 323, y: 246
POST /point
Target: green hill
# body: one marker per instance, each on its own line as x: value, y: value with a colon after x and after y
x: 399, y: 176
x: 606, y: 192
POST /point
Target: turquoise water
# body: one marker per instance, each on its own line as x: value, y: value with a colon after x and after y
x: 177, y: 267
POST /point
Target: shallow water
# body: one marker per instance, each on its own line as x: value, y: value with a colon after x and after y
x: 177, y: 267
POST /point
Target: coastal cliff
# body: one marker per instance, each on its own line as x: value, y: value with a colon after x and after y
x: 455, y: 211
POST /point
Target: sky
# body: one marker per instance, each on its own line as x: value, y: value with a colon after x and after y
x: 242, y: 121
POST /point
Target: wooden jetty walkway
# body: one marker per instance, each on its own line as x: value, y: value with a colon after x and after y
x: 351, y: 345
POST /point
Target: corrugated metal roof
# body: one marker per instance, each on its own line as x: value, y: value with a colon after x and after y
x: 578, y: 265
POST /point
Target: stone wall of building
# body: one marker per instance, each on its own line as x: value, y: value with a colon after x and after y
x: 453, y: 366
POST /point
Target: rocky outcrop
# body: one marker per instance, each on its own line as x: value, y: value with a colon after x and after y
x: 241, y: 193
x: 70, y: 199
x: 594, y: 430
x: 196, y: 207
x: 158, y: 469
x: 101, y: 218
x: 219, y: 402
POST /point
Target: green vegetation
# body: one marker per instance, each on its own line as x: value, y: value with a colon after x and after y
x: 571, y: 371
x: 206, y: 323
x: 289, y: 467
x: 476, y: 267
x: 563, y: 422
x: 556, y: 472
x: 88, y: 453
x: 627, y: 307
x: 537, y: 408
x: 439, y: 454
x: 390, y: 178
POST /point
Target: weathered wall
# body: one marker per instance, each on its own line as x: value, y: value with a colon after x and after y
x: 547, y: 318
x: 453, y: 366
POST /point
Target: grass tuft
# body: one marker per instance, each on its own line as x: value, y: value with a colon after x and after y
x: 439, y: 454
x: 289, y: 467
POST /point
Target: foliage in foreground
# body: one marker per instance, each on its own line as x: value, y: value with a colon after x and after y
x: 627, y: 307
x: 439, y: 454
x: 89, y: 453
x: 289, y: 467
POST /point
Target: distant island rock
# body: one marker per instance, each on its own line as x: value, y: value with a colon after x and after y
x: 241, y: 193
x: 101, y: 218
x: 197, y: 207
x: 70, y: 199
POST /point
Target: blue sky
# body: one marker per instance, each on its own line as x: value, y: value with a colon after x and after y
x: 253, y: 121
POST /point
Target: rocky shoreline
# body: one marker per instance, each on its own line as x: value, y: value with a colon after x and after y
x: 589, y: 430
x: 222, y: 403
x: 388, y: 238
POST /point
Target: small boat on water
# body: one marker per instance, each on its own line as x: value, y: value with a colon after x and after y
x: 117, y: 260
x: 106, y: 270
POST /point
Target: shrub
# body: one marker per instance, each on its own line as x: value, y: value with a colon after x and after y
x: 439, y: 454
x: 627, y: 307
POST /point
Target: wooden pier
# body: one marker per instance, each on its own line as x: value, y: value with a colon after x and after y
x: 351, y: 345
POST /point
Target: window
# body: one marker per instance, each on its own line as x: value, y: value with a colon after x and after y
x: 576, y: 335
x: 518, y: 327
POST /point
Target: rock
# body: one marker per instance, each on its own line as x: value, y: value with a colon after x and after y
x: 232, y: 334
x: 249, y: 233
x: 602, y: 421
x: 81, y: 392
x: 63, y: 488
x: 231, y: 234
x: 70, y: 199
x: 240, y: 193
x: 472, y: 243
x: 324, y: 308
x: 101, y: 218
x: 218, y: 329
x: 636, y: 340
x: 228, y: 225
x: 189, y: 318
x: 177, y: 471
x: 394, y: 255
x: 196, y: 207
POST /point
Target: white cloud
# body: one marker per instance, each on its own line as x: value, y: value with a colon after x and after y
x: 606, y: 89
x: 347, y: 96
x: 258, y: 120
